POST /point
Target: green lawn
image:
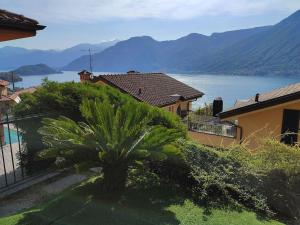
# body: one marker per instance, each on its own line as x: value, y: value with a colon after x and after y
x: 156, y: 206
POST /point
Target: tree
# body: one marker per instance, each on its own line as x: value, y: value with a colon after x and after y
x: 114, y: 137
x: 54, y: 98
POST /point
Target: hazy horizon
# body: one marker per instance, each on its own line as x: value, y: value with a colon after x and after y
x: 71, y: 22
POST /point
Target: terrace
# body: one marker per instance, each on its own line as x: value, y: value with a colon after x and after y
x: 211, y: 125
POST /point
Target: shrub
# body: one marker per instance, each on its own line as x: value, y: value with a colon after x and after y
x: 277, y: 166
x: 64, y: 99
x: 55, y: 99
x: 218, y: 179
x: 206, y: 110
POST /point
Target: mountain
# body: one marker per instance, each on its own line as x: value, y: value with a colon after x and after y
x: 137, y: 52
x: 266, y: 50
x: 275, y: 51
x: 39, y: 69
x: 12, y: 57
x: 146, y: 54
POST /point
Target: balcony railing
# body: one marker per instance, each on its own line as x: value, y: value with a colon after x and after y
x: 211, y: 125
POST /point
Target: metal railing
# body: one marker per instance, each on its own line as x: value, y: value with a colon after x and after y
x: 12, y: 148
x: 216, y: 129
x: 211, y: 125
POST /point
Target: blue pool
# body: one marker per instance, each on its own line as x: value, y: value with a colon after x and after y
x: 13, y: 136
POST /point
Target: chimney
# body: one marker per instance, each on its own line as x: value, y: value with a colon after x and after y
x: 133, y: 72
x: 85, y: 75
x: 257, y: 97
x: 217, y: 106
x: 140, y: 91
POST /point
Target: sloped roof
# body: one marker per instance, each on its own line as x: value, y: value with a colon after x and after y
x: 157, y: 89
x: 268, y: 99
x: 13, y: 20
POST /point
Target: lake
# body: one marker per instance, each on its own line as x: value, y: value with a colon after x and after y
x: 230, y: 88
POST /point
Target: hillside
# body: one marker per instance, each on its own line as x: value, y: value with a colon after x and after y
x: 13, y: 57
x: 270, y: 50
x: 275, y: 51
x: 39, y: 69
x: 146, y: 54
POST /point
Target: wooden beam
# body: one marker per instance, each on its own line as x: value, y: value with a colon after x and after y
x: 12, y: 34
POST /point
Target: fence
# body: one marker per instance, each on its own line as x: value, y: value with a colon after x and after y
x: 224, y: 130
x: 211, y: 125
x: 14, y: 145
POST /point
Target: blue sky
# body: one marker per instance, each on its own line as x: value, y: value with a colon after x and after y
x: 70, y: 22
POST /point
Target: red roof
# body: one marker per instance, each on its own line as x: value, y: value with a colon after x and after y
x: 157, y: 89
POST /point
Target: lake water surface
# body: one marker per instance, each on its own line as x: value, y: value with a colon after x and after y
x: 230, y: 88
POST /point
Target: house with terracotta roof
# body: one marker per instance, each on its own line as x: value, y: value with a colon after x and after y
x: 15, y: 26
x: 273, y: 114
x: 156, y: 89
x: 7, y: 99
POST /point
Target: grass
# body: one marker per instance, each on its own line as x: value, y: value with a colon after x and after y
x: 160, y: 205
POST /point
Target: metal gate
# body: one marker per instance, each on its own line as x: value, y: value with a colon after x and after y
x: 12, y: 145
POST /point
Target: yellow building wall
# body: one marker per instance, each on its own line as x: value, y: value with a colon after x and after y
x: 184, y: 105
x: 212, y: 139
x: 3, y: 91
x: 264, y: 123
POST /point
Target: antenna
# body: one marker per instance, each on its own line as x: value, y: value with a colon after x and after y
x: 13, y: 80
x: 90, y: 54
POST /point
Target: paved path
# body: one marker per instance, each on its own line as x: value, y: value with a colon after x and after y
x: 10, y: 164
x: 36, y: 194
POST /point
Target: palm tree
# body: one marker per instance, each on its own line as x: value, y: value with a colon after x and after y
x: 113, y: 136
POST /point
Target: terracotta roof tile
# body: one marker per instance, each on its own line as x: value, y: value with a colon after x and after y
x: 154, y: 88
x: 19, y: 21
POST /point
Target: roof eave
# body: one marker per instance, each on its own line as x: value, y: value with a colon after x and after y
x: 23, y: 27
x: 260, y: 105
x: 194, y: 98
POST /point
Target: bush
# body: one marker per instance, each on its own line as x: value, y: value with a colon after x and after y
x: 64, y: 99
x: 206, y: 110
x: 267, y: 180
x: 277, y: 166
x: 55, y: 99
x: 218, y: 179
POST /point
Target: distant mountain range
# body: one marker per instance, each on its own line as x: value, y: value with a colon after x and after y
x: 266, y: 50
x: 269, y: 50
x: 14, y: 57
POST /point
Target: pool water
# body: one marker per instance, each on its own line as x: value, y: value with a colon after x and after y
x: 13, y: 136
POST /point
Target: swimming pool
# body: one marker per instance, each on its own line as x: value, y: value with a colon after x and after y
x: 13, y: 136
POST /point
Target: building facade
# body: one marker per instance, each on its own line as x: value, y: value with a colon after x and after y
x: 273, y: 115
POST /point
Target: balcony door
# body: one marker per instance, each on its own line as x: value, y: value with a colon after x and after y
x: 290, y: 126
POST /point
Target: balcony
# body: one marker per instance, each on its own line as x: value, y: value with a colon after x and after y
x: 211, y: 125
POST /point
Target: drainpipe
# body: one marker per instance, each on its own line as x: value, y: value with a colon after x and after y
x: 241, y: 133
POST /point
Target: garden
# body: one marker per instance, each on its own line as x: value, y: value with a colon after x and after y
x: 151, y: 173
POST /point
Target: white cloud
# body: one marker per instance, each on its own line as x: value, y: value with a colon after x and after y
x: 97, y: 10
